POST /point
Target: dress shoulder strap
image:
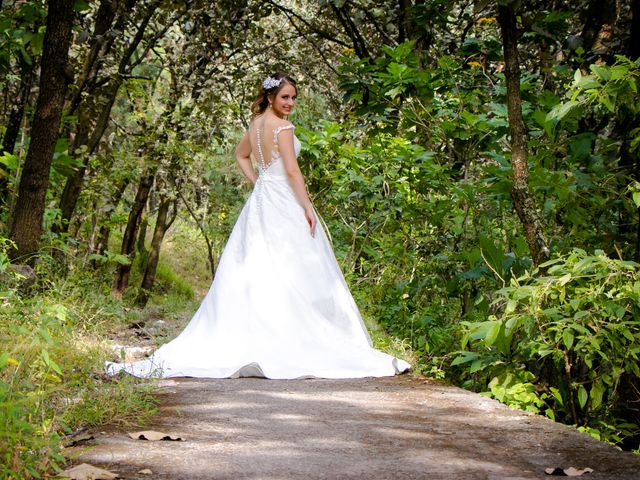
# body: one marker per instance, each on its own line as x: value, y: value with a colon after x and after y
x: 279, y: 129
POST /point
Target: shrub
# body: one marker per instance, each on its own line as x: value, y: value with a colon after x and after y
x: 566, y: 342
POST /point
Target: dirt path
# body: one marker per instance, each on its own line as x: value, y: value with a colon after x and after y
x: 389, y: 428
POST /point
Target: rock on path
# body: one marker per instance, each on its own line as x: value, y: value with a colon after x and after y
x: 387, y: 428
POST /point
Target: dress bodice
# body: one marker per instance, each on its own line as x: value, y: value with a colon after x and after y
x: 274, y: 167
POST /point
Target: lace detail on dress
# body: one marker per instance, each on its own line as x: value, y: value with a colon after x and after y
x: 275, y: 151
x: 263, y: 166
x: 279, y: 129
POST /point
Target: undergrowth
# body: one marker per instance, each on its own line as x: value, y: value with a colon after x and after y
x: 564, y: 342
x: 52, y: 357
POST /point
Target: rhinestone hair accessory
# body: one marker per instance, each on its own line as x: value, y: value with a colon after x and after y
x: 270, y: 83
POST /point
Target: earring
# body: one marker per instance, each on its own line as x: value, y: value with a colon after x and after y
x: 270, y: 106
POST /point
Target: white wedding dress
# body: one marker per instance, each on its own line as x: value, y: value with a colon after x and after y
x: 279, y: 306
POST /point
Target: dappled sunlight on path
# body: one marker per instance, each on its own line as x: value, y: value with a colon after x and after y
x: 367, y: 428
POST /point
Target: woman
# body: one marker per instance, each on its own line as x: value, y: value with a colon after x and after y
x: 279, y: 306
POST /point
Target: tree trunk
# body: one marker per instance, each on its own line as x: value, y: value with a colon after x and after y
x: 129, y: 239
x: 13, y: 128
x: 162, y: 225
x: 72, y: 187
x: 522, y: 198
x: 408, y: 29
x: 26, y: 224
x: 629, y: 167
x: 600, y: 18
x: 634, y: 37
x: 142, y: 236
x: 351, y: 30
x: 75, y: 182
x: 17, y: 112
x: 102, y: 242
x: 99, y: 44
x: 210, y: 253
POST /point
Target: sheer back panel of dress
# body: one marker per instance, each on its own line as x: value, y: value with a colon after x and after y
x: 264, y: 142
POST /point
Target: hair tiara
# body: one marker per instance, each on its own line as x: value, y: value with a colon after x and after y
x: 271, y: 82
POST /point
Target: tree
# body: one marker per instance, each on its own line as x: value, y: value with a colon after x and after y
x: 164, y: 219
x: 523, y: 200
x: 87, y: 138
x: 130, y: 233
x: 26, y: 223
x: 634, y: 37
x: 22, y: 43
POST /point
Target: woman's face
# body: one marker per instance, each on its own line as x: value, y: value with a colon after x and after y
x: 284, y: 101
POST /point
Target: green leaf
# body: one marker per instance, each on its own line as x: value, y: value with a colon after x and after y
x: 476, y: 365
x: 567, y: 338
x: 577, y: 75
x: 564, y: 279
x: 560, y: 111
x: 48, y: 361
x: 492, y: 255
x: 608, y: 102
x: 581, y: 314
x: 4, y: 358
x: 394, y: 92
x: 582, y: 396
x: 465, y: 357
x: 81, y: 5
x: 492, y: 333
x: 44, y: 333
x: 618, y: 72
x: 588, y: 82
x: 600, y: 71
x: 596, y: 394
x: 557, y: 395
x: 9, y: 160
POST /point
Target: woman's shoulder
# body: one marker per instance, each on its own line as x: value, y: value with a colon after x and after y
x: 280, y: 124
x: 271, y: 122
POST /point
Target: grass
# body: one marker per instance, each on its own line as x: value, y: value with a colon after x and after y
x: 51, y: 372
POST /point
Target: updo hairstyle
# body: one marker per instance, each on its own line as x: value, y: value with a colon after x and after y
x: 261, y: 101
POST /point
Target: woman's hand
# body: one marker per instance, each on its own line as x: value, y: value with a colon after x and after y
x: 311, y: 219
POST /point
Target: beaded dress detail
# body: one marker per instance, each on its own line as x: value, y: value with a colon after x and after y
x: 279, y: 306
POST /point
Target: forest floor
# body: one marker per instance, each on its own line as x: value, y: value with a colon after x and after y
x: 386, y: 428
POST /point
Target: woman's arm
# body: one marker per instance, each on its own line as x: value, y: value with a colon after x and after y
x: 296, y: 180
x: 243, y: 157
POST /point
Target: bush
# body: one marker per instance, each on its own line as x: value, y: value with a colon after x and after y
x: 566, y: 342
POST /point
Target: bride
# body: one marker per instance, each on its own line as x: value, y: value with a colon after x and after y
x: 279, y: 306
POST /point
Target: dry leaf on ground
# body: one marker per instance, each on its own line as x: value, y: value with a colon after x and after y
x: 84, y: 471
x: 567, y: 472
x: 154, y: 436
x: 145, y: 471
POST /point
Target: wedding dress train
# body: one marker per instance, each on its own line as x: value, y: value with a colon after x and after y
x: 279, y: 306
